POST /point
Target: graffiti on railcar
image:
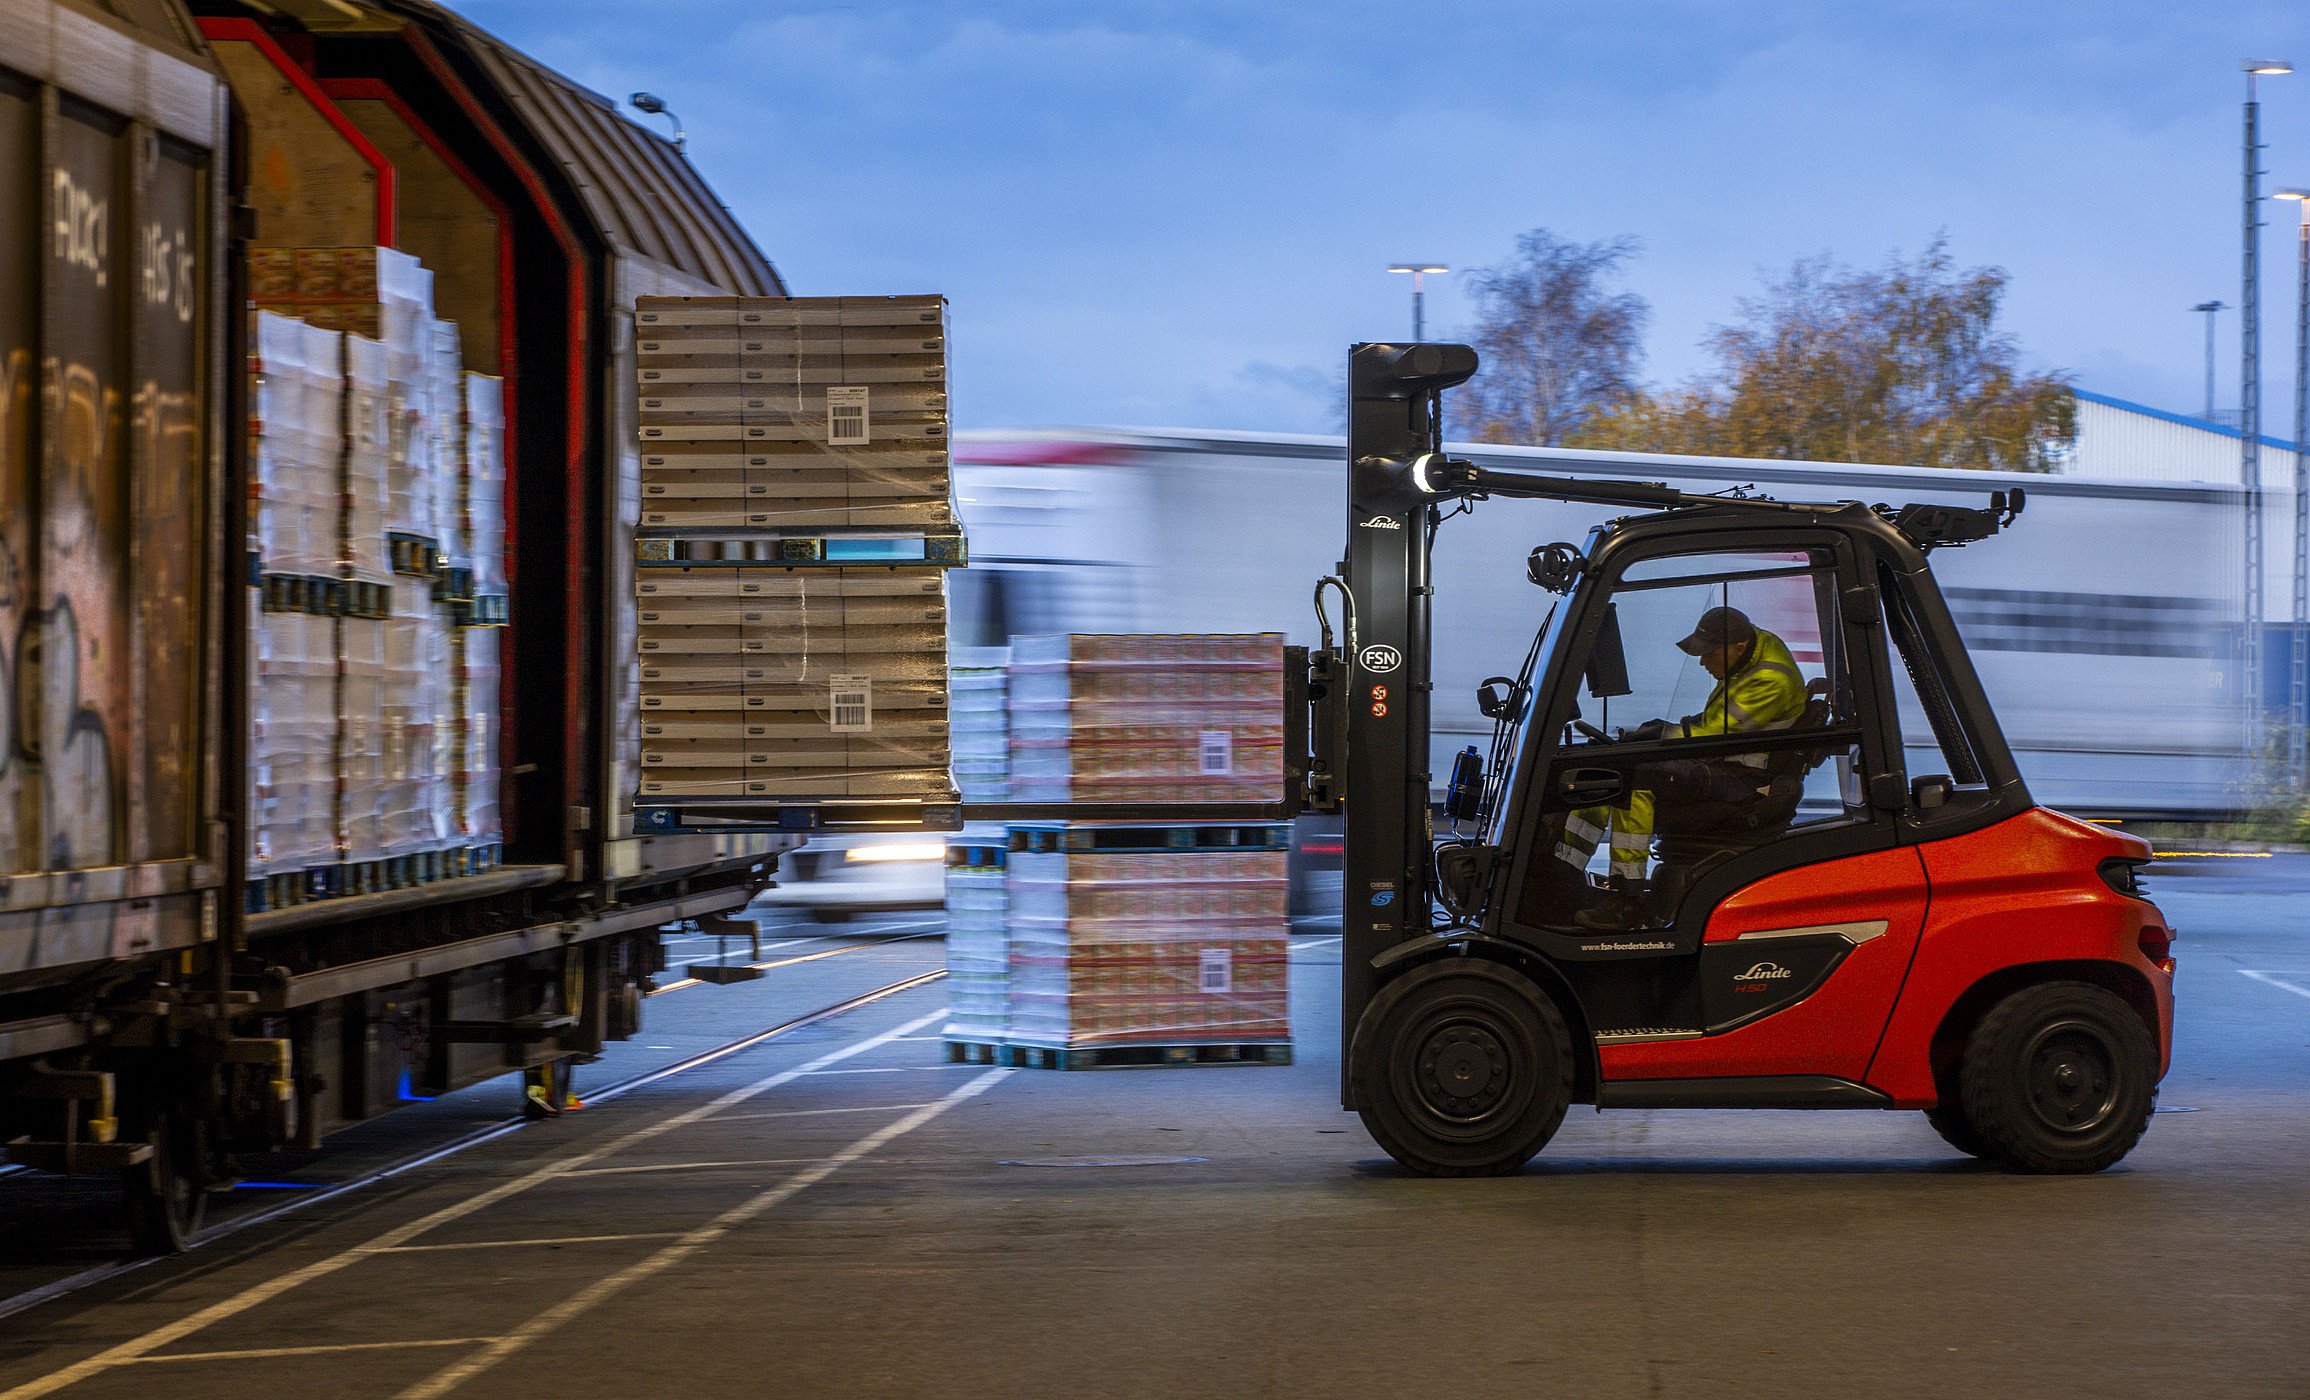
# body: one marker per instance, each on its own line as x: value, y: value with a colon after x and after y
x: 19, y: 816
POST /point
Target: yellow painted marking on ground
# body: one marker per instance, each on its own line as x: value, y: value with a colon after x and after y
x: 516, y: 1244
x: 261, y: 1353
x: 256, y: 1295
x: 700, y: 1166
x: 816, y: 1112
x: 602, y: 1290
x: 2211, y: 855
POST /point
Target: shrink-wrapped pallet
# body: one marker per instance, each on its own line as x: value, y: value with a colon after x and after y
x: 977, y: 941
x: 1111, y: 947
x: 484, y: 486
x: 1193, y: 718
x: 793, y: 415
x: 978, y: 688
x: 793, y: 683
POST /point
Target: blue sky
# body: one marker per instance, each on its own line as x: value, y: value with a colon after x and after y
x: 1179, y: 214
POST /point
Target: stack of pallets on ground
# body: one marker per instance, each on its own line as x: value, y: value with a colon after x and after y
x: 797, y: 522
x: 1147, y: 942
x: 402, y: 513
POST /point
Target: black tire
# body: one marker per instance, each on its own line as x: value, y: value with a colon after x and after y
x: 1956, y: 1129
x: 2060, y: 1078
x: 1467, y: 1025
x: 168, y: 1192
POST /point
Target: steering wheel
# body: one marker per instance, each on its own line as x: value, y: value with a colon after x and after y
x: 1592, y: 732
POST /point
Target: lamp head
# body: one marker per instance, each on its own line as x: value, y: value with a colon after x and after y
x: 648, y: 102
x: 2267, y: 67
x: 2298, y: 195
x: 1417, y: 267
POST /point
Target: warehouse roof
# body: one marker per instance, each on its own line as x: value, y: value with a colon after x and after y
x: 644, y: 195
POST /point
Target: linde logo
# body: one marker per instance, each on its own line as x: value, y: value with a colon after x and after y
x: 1380, y: 659
x: 1764, y: 972
x: 1383, y: 522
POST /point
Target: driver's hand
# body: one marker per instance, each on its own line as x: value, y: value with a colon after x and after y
x: 1652, y: 731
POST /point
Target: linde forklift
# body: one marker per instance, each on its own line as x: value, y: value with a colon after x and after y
x: 1839, y: 932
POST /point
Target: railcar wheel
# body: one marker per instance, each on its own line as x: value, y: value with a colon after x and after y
x: 168, y: 1192
x: 1462, y: 1068
x: 2060, y: 1078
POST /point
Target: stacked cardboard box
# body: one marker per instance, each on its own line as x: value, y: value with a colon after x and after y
x: 793, y: 683
x: 977, y: 943
x: 1147, y: 947
x: 1157, y: 718
x: 476, y: 765
x: 781, y: 432
x: 368, y: 568
x: 794, y: 415
x: 978, y: 681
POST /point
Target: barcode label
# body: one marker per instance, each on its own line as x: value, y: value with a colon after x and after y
x: 850, y: 704
x: 846, y: 424
x: 1217, y: 969
x: 1215, y: 753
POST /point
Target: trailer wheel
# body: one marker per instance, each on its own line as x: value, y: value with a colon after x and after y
x: 168, y: 1192
x: 2060, y: 1078
x: 1956, y: 1129
x: 1462, y: 1068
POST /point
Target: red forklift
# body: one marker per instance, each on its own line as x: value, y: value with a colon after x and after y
x: 1822, y: 929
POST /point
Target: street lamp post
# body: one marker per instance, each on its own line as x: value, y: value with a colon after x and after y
x: 1419, y: 272
x: 654, y: 105
x: 2250, y: 401
x: 2209, y: 308
x: 2298, y: 667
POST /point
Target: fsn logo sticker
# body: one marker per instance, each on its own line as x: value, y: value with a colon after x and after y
x: 1765, y: 972
x: 1381, y: 899
x: 1380, y: 659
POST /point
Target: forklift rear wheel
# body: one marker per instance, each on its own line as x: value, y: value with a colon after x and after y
x: 1462, y: 1068
x: 168, y: 1191
x: 2059, y: 1078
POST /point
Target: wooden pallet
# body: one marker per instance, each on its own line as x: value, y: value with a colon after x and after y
x: 1197, y: 836
x: 1021, y: 1055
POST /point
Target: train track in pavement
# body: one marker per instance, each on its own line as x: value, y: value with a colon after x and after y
x: 89, y: 1278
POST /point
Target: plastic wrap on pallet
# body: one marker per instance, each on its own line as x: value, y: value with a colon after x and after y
x: 368, y: 449
x: 794, y: 414
x: 978, y: 686
x: 362, y: 730
x: 793, y: 683
x: 291, y: 447
x: 444, y: 394
x: 1147, y: 947
x: 1188, y: 718
x: 484, y: 482
x: 476, y: 772
x: 977, y: 941
x: 414, y: 694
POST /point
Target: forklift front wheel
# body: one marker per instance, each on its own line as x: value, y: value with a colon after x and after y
x: 1462, y: 1068
x: 2060, y: 1077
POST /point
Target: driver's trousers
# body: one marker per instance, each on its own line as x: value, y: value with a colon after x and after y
x: 1674, y: 787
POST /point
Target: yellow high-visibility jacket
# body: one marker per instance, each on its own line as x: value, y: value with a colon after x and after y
x: 1767, y: 692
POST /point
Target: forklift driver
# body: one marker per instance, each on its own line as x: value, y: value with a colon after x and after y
x: 1758, y: 689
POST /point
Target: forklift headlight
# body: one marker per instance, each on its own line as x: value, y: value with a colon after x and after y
x: 1423, y: 472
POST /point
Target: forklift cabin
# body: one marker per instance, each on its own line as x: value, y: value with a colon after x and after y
x: 1820, y: 928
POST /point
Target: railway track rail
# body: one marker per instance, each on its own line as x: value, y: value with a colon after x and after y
x: 86, y: 1279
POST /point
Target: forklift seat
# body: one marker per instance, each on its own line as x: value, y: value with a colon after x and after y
x: 1690, y: 843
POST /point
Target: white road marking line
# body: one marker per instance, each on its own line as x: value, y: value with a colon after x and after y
x: 261, y: 1293
x: 1313, y: 942
x: 2279, y: 982
x: 816, y: 1112
x: 767, y: 966
x: 516, y: 1244
x: 700, y: 1166
x: 602, y: 1290
x: 894, y: 1069
x: 260, y: 1353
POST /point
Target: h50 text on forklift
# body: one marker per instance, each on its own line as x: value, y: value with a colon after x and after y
x: 1753, y: 905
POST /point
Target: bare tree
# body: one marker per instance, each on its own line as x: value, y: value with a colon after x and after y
x: 1904, y: 364
x: 1559, y: 345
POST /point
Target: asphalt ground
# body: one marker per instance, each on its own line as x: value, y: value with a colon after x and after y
x: 841, y: 1212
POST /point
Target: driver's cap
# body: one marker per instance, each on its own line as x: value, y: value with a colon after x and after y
x: 1718, y: 627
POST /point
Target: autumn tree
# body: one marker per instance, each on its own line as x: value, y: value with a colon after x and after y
x: 1558, y: 343
x: 1904, y: 364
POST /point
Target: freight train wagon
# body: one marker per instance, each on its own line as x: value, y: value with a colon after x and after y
x: 163, y: 164
x: 2103, y: 625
